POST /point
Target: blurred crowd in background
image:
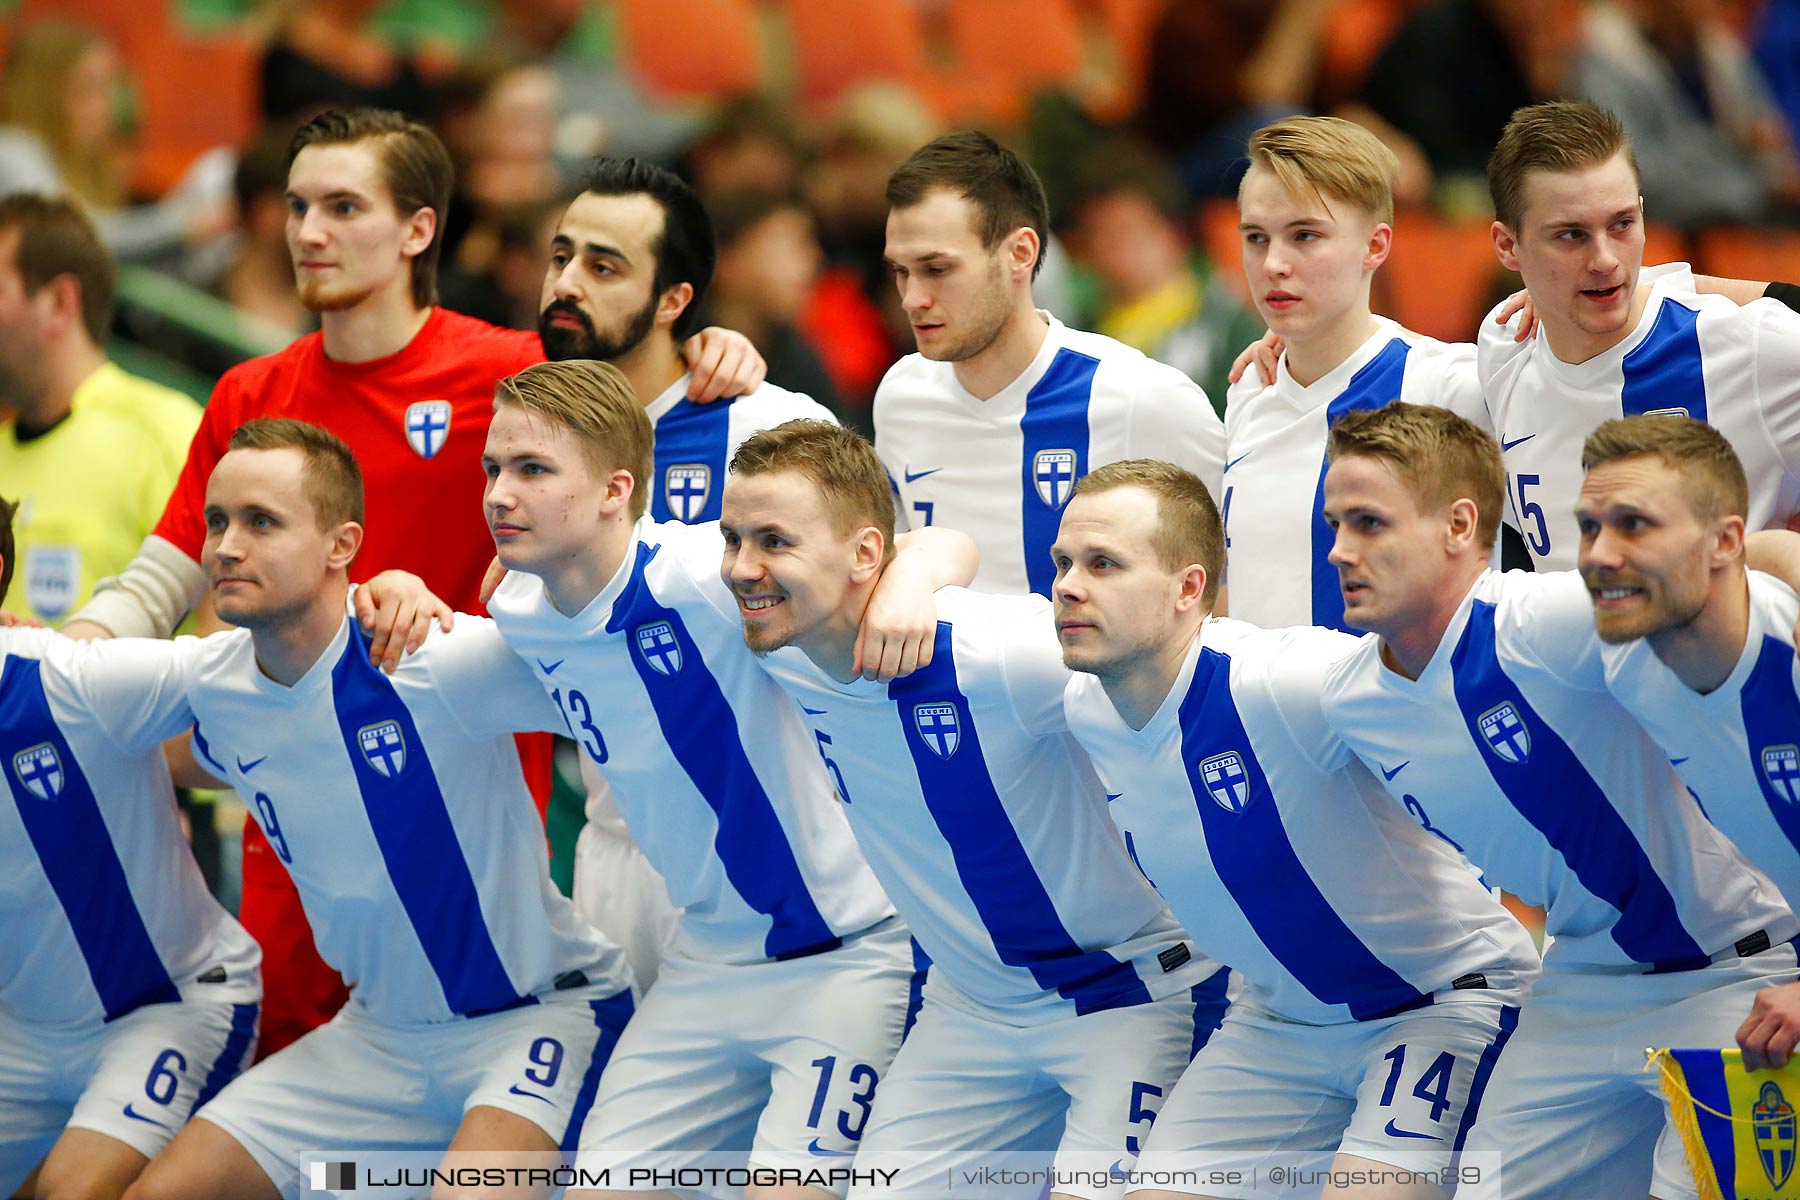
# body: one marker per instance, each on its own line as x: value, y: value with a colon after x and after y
x: 169, y: 121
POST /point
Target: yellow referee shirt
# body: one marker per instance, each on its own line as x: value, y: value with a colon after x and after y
x: 92, y: 488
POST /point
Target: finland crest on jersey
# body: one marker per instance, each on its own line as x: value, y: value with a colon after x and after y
x: 1505, y: 733
x: 938, y: 728
x: 427, y: 426
x: 384, y: 746
x: 658, y: 644
x: 1226, y: 781
x: 40, y: 770
x: 685, y: 488
x: 1781, y: 767
x: 1054, y: 473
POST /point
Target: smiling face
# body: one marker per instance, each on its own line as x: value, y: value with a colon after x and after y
x: 1308, y: 259
x: 267, y: 559
x: 1118, y: 608
x: 1647, y: 556
x: 599, y: 298
x: 957, y: 293
x: 543, y: 498
x: 1391, y: 556
x: 1579, y: 246
x: 791, y: 569
x: 347, y: 240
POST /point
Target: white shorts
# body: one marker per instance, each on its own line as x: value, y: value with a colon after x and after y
x: 1402, y: 1090
x: 1571, y: 1108
x: 616, y: 890
x: 137, y: 1078
x: 779, y: 1060
x: 356, y: 1083
x: 966, y: 1086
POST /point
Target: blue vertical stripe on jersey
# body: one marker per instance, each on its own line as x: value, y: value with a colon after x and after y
x: 231, y: 1059
x: 1484, y: 1069
x: 691, y: 435
x: 1012, y: 902
x: 1253, y: 857
x: 1375, y: 386
x: 76, y: 851
x: 1210, y: 1003
x: 915, y: 987
x: 418, y: 842
x: 1056, y: 419
x: 1663, y: 371
x: 610, y: 1017
x: 1554, y: 792
x: 1771, y: 714
x: 701, y: 731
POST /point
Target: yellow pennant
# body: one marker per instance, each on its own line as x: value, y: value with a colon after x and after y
x: 1741, y: 1128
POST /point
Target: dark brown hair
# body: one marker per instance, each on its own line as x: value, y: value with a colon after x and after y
x: 840, y: 462
x: 55, y: 239
x: 1711, y: 473
x: 1562, y: 135
x: 1006, y: 192
x: 414, y: 164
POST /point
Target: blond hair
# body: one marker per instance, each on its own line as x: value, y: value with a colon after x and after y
x: 1711, y: 474
x: 839, y: 462
x: 1438, y: 455
x: 34, y: 95
x: 596, y: 402
x: 1331, y: 158
x: 1188, y: 529
x: 1562, y: 135
x: 331, y: 476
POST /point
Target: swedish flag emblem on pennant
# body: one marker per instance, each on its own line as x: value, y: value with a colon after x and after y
x: 1741, y: 1128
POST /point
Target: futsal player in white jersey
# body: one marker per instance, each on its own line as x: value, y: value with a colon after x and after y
x: 1477, y: 715
x: 988, y: 426
x: 128, y: 997
x: 1317, y: 211
x: 1614, y: 340
x: 629, y: 267
x: 1062, y: 992
x: 482, y: 1008
x: 1381, y: 979
x: 787, y: 989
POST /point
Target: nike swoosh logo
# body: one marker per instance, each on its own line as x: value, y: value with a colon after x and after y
x: 1234, y: 462
x: 247, y: 767
x: 1676, y: 762
x: 1389, y: 775
x: 912, y: 475
x: 1111, y: 796
x: 1394, y: 1130
x: 1504, y: 447
x: 137, y: 1116
x: 516, y: 1090
x: 813, y: 1147
x: 550, y: 668
x: 812, y: 712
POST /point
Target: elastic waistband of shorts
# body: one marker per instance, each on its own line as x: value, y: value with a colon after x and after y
x: 1474, y: 981
x: 1745, y: 947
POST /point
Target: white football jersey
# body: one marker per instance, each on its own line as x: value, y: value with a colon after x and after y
x: 1279, y: 850
x: 1738, y: 746
x: 1509, y: 745
x: 104, y: 908
x: 695, y: 442
x: 1000, y: 469
x: 395, y: 803
x: 719, y: 781
x: 984, y: 820
x: 1276, y: 541
x: 1736, y: 368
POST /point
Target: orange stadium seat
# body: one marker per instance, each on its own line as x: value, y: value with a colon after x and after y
x: 697, y: 48
x: 1007, y: 49
x: 1749, y: 252
x: 1438, y: 278
x: 1664, y: 243
x: 182, y: 120
x: 838, y: 45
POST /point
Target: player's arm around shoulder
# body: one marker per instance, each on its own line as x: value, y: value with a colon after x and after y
x: 137, y: 689
x: 1547, y: 619
x: 1168, y: 417
x: 899, y: 626
x: 1294, y: 669
x: 485, y: 686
